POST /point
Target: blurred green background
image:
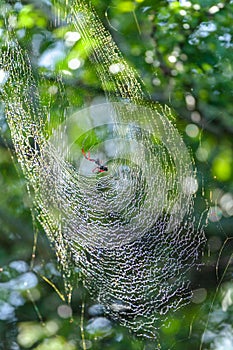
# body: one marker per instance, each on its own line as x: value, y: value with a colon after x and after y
x: 183, y: 52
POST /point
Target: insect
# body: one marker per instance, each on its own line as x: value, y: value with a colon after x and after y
x: 100, y: 167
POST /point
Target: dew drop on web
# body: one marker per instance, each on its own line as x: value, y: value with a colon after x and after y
x: 131, y: 229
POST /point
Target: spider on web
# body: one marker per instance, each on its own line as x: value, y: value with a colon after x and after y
x: 100, y: 167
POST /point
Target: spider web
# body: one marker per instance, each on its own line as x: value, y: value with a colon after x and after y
x: 131, y: 230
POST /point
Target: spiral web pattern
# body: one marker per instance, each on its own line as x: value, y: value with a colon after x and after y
x: 131, y: 229
x: 140, y: 163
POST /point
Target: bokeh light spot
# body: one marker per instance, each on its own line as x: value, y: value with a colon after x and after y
x: 199, y: 295
x: 74, y: 63
x: 192, y: 130
x: 215, y: 214
x: 190, y: 185
x: 222, y: 167
x: 64, y: 311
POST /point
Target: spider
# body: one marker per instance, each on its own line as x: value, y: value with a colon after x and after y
x: 100, y: 167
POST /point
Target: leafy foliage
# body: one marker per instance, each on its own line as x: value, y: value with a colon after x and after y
x: 183, y: 52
